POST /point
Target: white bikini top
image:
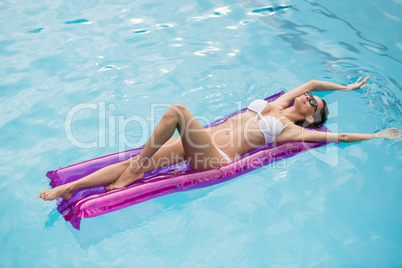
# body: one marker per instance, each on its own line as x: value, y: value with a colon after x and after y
x: 269, y: 125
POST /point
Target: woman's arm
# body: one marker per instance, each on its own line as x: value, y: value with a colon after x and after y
x: 326, y: 86
x: 297, y: 133
x: 315, y: 85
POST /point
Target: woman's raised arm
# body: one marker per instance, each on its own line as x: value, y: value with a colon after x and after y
x: 297, y: 133
x: 315, y: 85
x: 327, y: 86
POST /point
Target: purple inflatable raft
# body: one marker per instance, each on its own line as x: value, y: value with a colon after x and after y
x: 95, y: 201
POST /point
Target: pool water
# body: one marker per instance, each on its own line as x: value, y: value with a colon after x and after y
x: 81, y: 79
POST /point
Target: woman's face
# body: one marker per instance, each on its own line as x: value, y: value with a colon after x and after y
x: 303, y: 105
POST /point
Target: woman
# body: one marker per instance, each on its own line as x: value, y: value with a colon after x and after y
x: 262, y: 123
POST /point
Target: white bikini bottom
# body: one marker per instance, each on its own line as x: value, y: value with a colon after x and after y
x: 224, y: 155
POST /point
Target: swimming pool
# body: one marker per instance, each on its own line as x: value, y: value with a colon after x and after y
x: 336, y: 206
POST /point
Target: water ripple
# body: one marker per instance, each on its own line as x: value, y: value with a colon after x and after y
x: 80, y: 21
x: 271, y: 8
x: 372, y: 46
x: 141, y: 31
x: 37, y: 30
x: 164, y: 25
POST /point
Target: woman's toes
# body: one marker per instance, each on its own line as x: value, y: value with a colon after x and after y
x: 109, y: 187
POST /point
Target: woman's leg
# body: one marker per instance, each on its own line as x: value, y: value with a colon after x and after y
x: 171, y: 153
x: 194, y: 144
x: 103, y: 176
x: 198, y: 148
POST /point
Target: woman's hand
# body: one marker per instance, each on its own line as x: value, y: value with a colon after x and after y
x: 389, y: 134
x: 358, y: 84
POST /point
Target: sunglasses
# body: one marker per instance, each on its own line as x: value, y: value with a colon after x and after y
x: 312, y: 101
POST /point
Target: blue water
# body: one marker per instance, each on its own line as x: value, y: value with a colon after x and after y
x: 336, y: 206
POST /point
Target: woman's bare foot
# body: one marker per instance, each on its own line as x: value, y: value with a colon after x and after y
x: 131, y: 174
x: 63, y: 190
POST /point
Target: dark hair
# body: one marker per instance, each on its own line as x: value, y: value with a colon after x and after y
x: 320, y: 116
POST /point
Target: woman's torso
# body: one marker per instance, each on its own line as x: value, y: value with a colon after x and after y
x: 241, y: 133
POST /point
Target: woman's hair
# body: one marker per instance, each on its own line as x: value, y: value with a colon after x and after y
x: 320, y: 116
